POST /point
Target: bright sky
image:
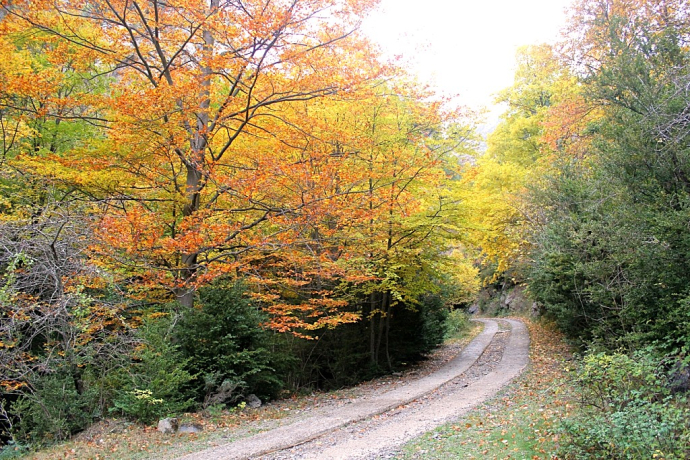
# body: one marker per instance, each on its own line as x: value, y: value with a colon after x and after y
x: 465, y: 47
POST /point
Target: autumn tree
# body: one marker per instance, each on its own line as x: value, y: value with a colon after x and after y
x: 194, y: 87
x: 407, y: 208
x: 518, y: 154
x: 152, y: 144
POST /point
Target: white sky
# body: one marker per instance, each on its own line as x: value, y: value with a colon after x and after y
x: 464, y: 47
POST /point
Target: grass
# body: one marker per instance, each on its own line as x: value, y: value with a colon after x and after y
x: 520, y: 423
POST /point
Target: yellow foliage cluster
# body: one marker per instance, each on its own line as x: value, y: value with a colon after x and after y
x: 544, y: 121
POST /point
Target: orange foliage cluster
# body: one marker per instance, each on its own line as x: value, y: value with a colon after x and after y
x: 253, y: 139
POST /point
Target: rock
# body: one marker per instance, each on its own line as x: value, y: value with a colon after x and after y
x: 168, y: 425
x: 173, y: 425
x: 473, y: 309
x: 253, y: 401
x: 104, y: 427
x: 223, y: 393
x: 510, y: 297
x: 190, y: 428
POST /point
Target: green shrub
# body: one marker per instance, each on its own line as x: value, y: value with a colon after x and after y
x: 627, y: 411
x: 223, y: 342
x: 56, y: 408
x: 13, y: 451
x: 457, y: 324
x: 434, y: 325
x: 415, y: 330
x: 156, y: 384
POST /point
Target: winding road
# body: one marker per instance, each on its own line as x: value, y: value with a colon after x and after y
x: 376, y: 426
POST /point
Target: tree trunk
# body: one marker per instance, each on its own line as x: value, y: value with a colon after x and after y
x: 195, y: 163
x: 372, y: 329
x: 382, y: 324
x: 389, y: 314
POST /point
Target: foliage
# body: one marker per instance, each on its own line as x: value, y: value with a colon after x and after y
x: 417, y: 330
x: 457, y: 324
x: 627, y: 410
x: 279, y: 154
x: 224, y: 344
x: 148, y: 150
x: 572, y: 274
x: 13, y: 451
x: 224, y: 147
x: 609, y: 258
x: 60, y: 334
x: 155, y: 385
x: 342, y: 356
x: 137, y: 441
x: 337, y: 358
x: 56, y: 408
x: 495, y: 184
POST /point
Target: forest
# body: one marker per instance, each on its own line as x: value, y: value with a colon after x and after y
x: 202, y: 200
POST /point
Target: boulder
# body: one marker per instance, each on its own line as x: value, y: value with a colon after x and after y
x: 168, y: 425
x: 536, y: 309
x: 190, y: 428
x: 253, y: 401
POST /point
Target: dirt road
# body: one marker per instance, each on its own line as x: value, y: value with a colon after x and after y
x: 376, y: 426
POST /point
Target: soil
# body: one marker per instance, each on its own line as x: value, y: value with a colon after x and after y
x: 373, y: 421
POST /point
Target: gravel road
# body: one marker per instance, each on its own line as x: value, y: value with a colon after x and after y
x: 374, y: 426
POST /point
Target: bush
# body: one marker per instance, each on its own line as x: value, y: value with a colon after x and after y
x: 415, y: 330
x: 156, y: 384
x: 457, y: 324
x: 223, y: 342
x: 55, y: 409
x: 418, y: 330
x: 627, y: 411
x: 13, y: 451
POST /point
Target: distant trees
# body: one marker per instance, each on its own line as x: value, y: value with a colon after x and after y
x: 518, y: 156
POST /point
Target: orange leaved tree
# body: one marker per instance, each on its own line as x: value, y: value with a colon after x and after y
x: 198, y: 163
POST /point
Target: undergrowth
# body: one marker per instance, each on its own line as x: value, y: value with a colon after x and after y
x: 627, y: 410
